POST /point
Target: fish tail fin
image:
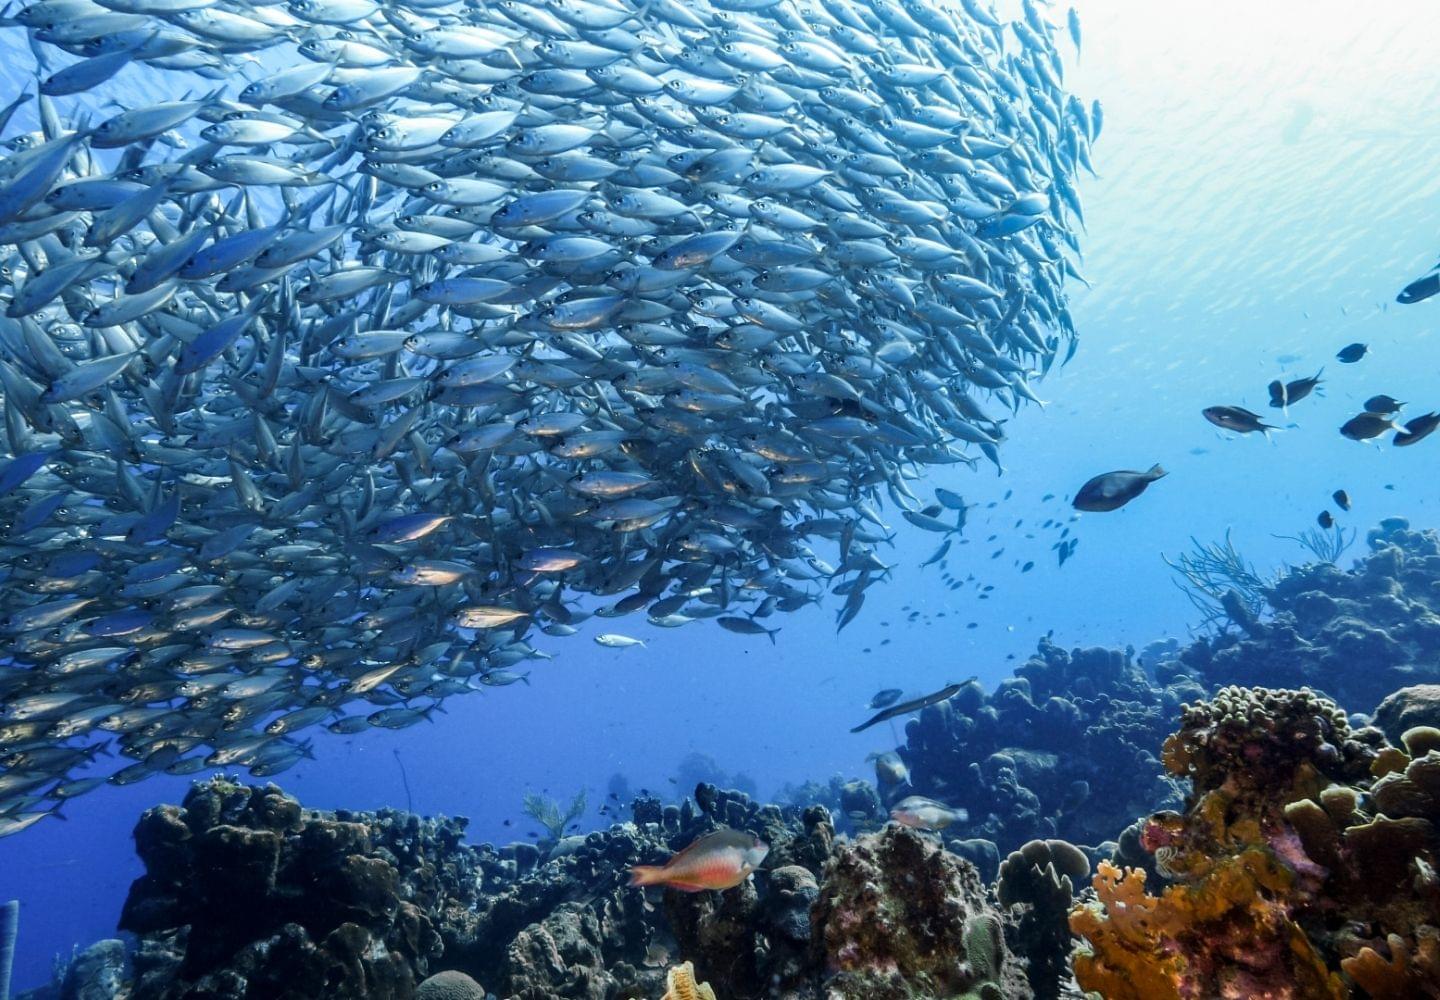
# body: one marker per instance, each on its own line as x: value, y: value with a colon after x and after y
x: 1155, y: 472
x: 772, y: 632
x: 647, y: 875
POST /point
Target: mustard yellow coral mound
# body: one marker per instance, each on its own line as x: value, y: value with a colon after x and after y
x: 1123, y: 928
x: 1411, y: 971
x: 1226, y: 934
x: 681, y: 985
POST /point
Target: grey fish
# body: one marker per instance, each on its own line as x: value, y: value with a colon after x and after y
x: 1113, y: 490
x: 885, y: 697
x: 1235, y: 418
x: 1364, y: 426
x: 1417, y: 429
x: 328, y: 390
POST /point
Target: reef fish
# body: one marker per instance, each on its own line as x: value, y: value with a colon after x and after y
x: 885, y: 698
x: 1419, y: 290
x: 1351, y: 353
x: 1235, y: 418
x: 719, y: 860
x: 1364, y: 426
x: 434, y: 326
x: 890, y: 769
x: 1282, y: 394
x: 1418, y: 429
x: 925, y: 814
x: 1113, y: 490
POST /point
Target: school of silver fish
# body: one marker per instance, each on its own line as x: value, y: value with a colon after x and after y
x: 394, y: 333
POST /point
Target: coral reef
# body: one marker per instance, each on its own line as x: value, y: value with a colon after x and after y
x: 246, y: 895
x: 1065, y: 749
x: 899, y: 917
x: 1354, y: 635
x: 1301, y: 863
x: 1304, y: 864
x: 1037, y: 885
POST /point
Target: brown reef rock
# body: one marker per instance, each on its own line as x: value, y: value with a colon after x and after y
x: 900, y: 918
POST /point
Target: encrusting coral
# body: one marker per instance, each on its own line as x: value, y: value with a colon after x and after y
x: 1304, y: 863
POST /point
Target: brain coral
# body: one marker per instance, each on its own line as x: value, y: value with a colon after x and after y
x: 450, y: 986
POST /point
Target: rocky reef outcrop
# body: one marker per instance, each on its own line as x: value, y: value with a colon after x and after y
x: 1064, y: 749
x: 249, y: 896
x: 900, y: 918
x: 1356, y: 635
x: 1302, y: 866
x: 1067, y: 747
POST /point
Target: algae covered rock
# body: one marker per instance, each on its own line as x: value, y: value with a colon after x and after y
x: 97, y: 973
x: 1417, y: 705
x: 900, y: 918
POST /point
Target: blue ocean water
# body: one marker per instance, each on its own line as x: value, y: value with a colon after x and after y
x: 1266, y: 186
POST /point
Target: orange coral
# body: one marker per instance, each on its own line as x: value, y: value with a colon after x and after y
x: 1408, y: 973
x: 1123, y: 931
x: 1307, y: 860
x: 1222, y: 935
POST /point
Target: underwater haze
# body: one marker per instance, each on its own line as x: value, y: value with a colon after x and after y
x: 1264, y: 187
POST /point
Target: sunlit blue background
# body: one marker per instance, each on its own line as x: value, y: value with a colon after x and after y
x: 1268, y: 183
